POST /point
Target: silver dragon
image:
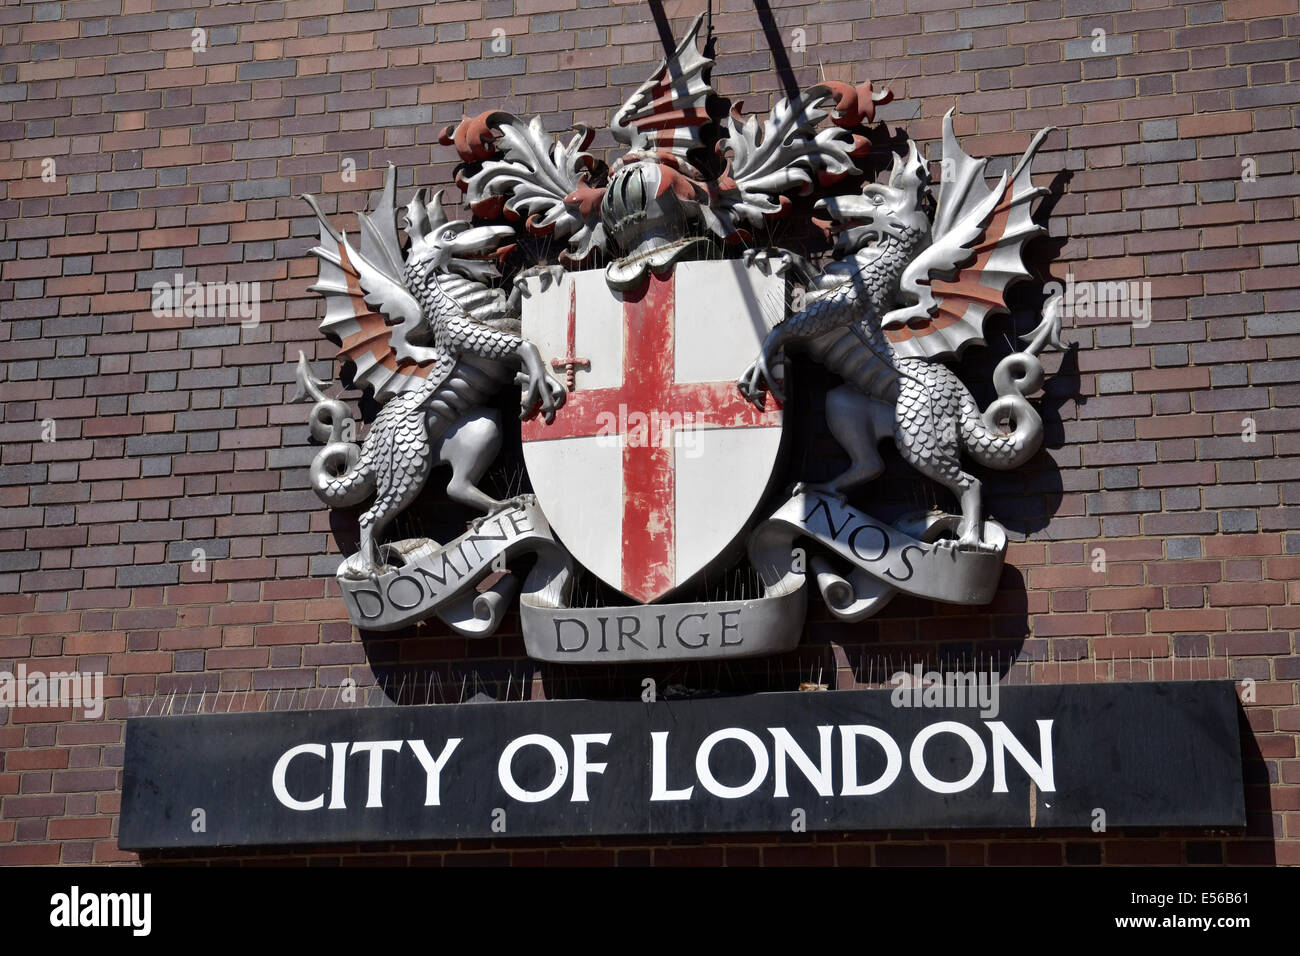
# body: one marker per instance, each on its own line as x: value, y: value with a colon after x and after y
x: 903, y: 293
x: 436, y: 343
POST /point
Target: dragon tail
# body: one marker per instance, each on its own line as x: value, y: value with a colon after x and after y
x: 341, y: 474
x: 1010, y: 431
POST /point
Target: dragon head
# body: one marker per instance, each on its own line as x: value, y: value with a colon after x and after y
x: 452, y: 246
x: 883, y: 212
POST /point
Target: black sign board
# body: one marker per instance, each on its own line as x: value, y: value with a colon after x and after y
x: 1052, y: 756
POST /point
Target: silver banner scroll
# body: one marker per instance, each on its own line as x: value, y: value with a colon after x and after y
x: 461, y: 581
x: 883, y: 559
x: 706, y: 630
x: 465, y: 583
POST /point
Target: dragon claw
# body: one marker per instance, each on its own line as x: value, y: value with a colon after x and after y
x: 359, y: 566
x: 499, y: 507
x: 966, y: 542
x: 541, y: 394
x: 773, y: 260
x: 813, y: 488
x: 548, y: 275
x: 751, y: 393
x: 758, y: 378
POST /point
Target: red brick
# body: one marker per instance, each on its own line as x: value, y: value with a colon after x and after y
x: 29, y: 854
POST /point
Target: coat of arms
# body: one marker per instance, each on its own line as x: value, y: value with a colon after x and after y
x: 644, y: 311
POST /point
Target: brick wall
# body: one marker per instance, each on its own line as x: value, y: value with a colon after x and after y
x: 175, y: 434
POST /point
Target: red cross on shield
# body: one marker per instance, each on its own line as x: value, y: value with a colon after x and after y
x: 653, y: 468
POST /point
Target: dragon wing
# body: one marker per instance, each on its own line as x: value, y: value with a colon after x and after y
x: 360, y: 289
x: 974, y: 257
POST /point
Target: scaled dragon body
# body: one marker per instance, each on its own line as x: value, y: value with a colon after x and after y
x: 904, y: 293
x: 438, y: 348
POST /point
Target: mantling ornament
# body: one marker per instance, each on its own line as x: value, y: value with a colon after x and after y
x: 651, y: 433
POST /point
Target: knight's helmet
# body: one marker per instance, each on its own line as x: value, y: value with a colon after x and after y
x: 644, y: 208
x: 656, y: 196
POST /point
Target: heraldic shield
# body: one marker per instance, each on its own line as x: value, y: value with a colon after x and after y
x: 654, y: 469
